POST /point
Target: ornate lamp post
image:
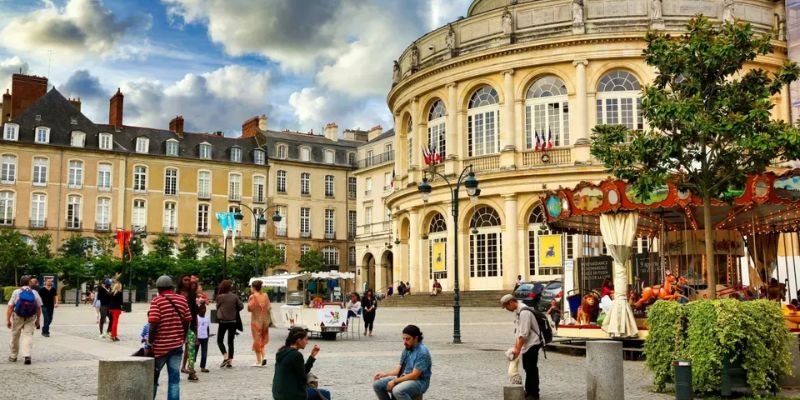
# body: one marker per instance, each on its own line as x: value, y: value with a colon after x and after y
x: 260, y: 220
x: 467, y: 177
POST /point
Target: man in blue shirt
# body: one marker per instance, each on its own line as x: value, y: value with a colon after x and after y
x: 413, y: 376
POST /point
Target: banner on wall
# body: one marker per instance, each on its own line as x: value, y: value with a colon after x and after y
x: 439, y: 256
x: 550, y: 251
x: 792, y: 26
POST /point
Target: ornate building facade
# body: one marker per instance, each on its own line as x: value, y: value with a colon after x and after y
x: 513, y: 90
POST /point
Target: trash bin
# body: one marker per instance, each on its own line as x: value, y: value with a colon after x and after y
x: 214, y: 316
x: 126, y: 306
x: 683, y: 380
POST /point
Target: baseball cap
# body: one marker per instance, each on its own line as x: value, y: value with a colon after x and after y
x: 107, y: 281
x: 505, y: 299
x: 164, y: 281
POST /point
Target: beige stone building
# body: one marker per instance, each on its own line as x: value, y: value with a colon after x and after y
x: 490, y: 90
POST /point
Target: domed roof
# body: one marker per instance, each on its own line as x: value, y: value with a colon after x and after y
x: 481, y: 6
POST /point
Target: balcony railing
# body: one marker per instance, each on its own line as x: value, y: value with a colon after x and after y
x: 376, y: 159
x: 203, y: 232
x: 104, y: 188
x: 261, y: 235
x: 258, y: 200
x: 234, y: 197
x: 280, y: 231
x: 139, y: 228
x: 102, y: 226
x: 171, y: 230
x: 305, y: 234
x: 37, y: 223
x: 203, y: 195
x: 330, y: 235
x: 73, y: 224
x: 6, y: 221
x: 351, y: 194
x: 485, y: 163
x: 547, y: 158
x: 375, y: 229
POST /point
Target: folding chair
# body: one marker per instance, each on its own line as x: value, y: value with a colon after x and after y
x: 350, y: 329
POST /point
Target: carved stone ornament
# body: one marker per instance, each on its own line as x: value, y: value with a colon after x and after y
x: 508, y: 24
x: 450, y: 39
x: 727, y: 10
x: 414, y: 58
x: 577, y: 13
x: 396, y: 76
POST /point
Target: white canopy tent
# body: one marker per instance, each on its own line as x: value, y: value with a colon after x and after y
x: 282, y: 280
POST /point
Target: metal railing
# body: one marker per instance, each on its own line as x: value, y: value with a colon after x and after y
x: 305, y: 234
x: 203, y: 195
x: 547, y: 158
x: 102, y: 226
x: 374, y: 229
x: 330, y: 235
x: 73, y: 224
x: 171, y: 230
x: 376, y: 159
x: 206, y: 232
x: 234, y: 197
x: 280, y: 231
x: 484, y: 163
x: 37, y: 223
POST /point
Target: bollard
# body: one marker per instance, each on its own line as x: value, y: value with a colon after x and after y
x: 683, y: 380
x: 513, y: 392
x: 604, y: 373
x: 793, y: 380
x: 129, y: 378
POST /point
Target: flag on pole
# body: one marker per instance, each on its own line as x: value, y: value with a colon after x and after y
x: 439, y: 157
x: 426, y: 155
x: 542, y: 141
x: 222, y: 218
x: 392, y: 182
x: 536, y: 137
x: 549, y: 139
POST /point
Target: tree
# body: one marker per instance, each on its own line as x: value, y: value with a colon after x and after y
x: 105, y: 245
x: 243, y: 264
x: 42, y: 245
x: 190, y: 249
x: 311, y: 261
x: 709, y: 118
x: 14, y: 253
x: 163, y: 246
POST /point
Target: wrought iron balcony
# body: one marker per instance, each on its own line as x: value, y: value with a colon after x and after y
x: 73, y: 224
x: 330, y: 235
x: 37, y: 223
x: 102, y: 226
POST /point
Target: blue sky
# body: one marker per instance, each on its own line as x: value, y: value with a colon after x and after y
x: 303, y: 63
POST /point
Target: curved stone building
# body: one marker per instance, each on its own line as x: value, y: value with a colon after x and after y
x: 491, y: 90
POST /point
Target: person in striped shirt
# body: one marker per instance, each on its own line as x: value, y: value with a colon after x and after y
x: 169, y: 318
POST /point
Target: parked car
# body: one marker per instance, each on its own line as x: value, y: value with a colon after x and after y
x: 539, y: 294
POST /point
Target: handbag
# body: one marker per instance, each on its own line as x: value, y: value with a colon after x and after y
x: 312, y: 382
x: 144, y: 351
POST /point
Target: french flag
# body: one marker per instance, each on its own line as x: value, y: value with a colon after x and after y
x: 549, y: 139
x: 536, y: 145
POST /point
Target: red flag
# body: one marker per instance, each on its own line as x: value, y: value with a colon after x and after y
x: 549, y: 139
x: 426, y: 156
x: 437, y: 157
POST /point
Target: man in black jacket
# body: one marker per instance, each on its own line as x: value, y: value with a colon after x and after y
x: 104, y: 296
x: 49, y: 303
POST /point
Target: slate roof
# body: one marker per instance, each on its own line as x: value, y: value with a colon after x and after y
x: 383, y: 135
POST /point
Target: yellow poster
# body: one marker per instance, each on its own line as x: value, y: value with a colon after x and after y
x: 550, y: 251
x: 439, y: 256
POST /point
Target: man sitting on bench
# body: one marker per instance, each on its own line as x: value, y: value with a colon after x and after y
x: 413, y: 376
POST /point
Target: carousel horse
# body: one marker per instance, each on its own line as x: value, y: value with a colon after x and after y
x: 669, y: 291
x: 775, y: 290
x: 588, y: 308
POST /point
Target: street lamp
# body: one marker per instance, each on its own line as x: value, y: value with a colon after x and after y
x: 471, y: 186
x: 260, y: 220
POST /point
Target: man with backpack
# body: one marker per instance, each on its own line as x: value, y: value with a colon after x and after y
x: 529, y: 339
x: 24, y: 312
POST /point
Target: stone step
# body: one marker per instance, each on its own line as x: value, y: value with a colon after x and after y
x: 445, y: 299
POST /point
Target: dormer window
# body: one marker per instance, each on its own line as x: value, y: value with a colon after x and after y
x: 11, y: 132
x: 205, y: 151
x: 105, y: 141
x: 236, y: 154
x: 282, y: 151
x: 330, y: 156
x: 73, y: 121
x: 78, y: 139
x: 351, y: 158
x: 38, y: 117
x: 305, y: 154
x: 172, y: 147
x: 258, y: 157
x: 142, y: 145
x: 42, y: 135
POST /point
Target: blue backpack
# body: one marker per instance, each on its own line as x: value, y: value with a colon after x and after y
x: 26, y: 304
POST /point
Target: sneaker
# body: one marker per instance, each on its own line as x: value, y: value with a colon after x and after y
x: 184, y: 371
x: 224, y: 363
x: 27, y: 361
x: 263, y: 363
x: 193, y: 377
x: 46, y: 334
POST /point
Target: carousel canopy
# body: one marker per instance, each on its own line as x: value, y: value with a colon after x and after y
x: 768, y: 203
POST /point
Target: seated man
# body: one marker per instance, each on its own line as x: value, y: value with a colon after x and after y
x: 413, y: 376
x: 437, y: 287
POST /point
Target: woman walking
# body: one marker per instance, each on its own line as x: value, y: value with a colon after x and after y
x: 369, y: 304
x: 289, y: 381
x: 228, y: 307
x: 259, y: 306
x: 115, y: 308
x: 188, y: 289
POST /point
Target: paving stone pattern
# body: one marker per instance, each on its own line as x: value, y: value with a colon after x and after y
x: 65, y: 365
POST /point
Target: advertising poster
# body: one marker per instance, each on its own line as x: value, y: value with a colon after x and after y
x: 793, y: 43
x: 550, y: 251
x: 439, y: 256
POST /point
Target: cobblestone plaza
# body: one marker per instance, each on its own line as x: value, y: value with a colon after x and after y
x: 65, y: 365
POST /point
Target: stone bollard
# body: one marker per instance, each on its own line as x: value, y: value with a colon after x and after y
x: 794, y: 379
x: 129, y: 378
x: 513, y: 392
x: 604, y: 373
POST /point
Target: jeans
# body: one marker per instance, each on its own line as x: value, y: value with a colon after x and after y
x: 314, y: 395
x: 530, y: 361
x: 230, y: 328
x: 203, y: 346
x: 402, y: 391
x: 173, y: 362
x: 47, y: 314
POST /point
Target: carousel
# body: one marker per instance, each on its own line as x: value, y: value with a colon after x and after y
x: 755, y: 249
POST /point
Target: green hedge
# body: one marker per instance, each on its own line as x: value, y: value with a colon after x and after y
x: 750, y: 333
x: 7, y: 293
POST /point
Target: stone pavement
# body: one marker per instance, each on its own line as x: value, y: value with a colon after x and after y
x: 65, y: 365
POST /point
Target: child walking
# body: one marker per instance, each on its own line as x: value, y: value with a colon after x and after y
x: 203, y: 332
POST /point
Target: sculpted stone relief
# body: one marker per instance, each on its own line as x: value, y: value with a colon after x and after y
x: 507, y: 23
x: 727, y: 11
x: 577, y: 13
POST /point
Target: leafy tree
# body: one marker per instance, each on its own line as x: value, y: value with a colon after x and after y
x: 211, y: 264
x: 14, y: 253
x: 190, y: 249
x: 75, y: 246
x: 105, y: 244
x: 42, y: 245
x: 163, y: 246
x: 243, y: 265
x: 709, y: 118
x: 311, y: 261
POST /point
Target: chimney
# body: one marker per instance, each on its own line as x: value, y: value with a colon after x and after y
x: 6, y: 106
x: 176, y: 125
x: 26, y: 89
x: 115, y: 110
x: 76, y: 102
x: 331, y: 131
x: 250, y: 127
x: 262, y: 122
x: 374, y: 132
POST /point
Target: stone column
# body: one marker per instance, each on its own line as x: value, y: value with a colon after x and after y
x: 452, y: 129
x: 414, y: 249
x: 507, y: 127
x: 580, y: 125
x: 605, y: 378
x: 400, y: 160
x: 126, y: 378
x: 511, y: 265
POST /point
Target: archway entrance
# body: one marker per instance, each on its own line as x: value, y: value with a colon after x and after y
x: 368, y: 271
x: 387, y: 263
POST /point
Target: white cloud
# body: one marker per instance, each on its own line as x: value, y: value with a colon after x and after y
x: 81, y: 27
x: 12, y: 65
x: 314, y: 108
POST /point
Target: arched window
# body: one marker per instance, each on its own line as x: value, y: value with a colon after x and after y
x: 537, y: 227
x: 483, y: 122
x: 485, y: 244
x: 546, y: 114
x: 7, y: 208
x: 436, y: 129
x: 437, y: 251
x: 619, y: 100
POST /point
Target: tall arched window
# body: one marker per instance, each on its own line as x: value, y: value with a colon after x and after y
x: 437, y: 139
x: 485, y: 244
x: 483, y: 122
x: 7, y: 207
x: 437, y: 234
x: 619, y: 100
x: 547, y: 113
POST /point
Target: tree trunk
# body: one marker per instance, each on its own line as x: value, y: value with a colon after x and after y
x: 709, y: 238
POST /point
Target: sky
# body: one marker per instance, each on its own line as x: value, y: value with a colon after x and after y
x: 303, y: 63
